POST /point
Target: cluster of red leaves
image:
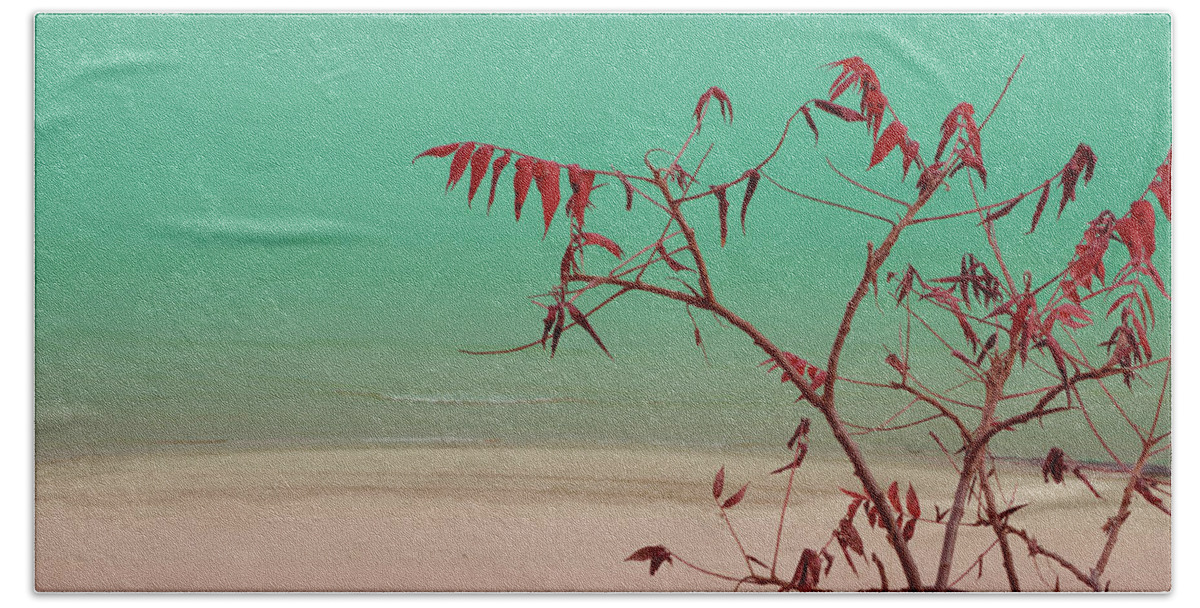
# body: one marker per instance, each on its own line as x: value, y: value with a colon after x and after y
x: 1089, y: 256
x: 1128, y: 345
x: 855, y: 73
x: 816, y: 374
x: 968, y: 147
x: 751, y: 177
x: 722, y: 99
x: 1057, y: 463
x: 846, y: 534
x: 529, y: 170
x: 1083, y: 161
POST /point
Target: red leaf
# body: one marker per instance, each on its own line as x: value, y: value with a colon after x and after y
x: 852, y: 68
x: 912, y: 151
x: 840, y: 111
x: 671, y: 263
x: 960, y: 114
x: 591, y: 238
x: 1144, y: 490
x: 525, y: 166
x: 628, y: 190
x: 796, y: 462
x: 930, y: 179
x: 1161, y: 186
x: 893, y: 136
x: 719, y: 484
x: 722, y: 210
x: 656, y: 555
x: 1141, y: 334
x: 552, y: 314
x: 497, y: 167
x: 1070, y: 314
x: 581, y: 181
x: 1137, y: 231
x: 582, y: 321
x: 848, y: 536
x: 479, y: 167
x: 438, y: 151
x: 874, y: 103
x: 735, y: 499
x: 914, y: 505
x: 812, y: 125
x: 1041, y: 206
x: 751, y: 176
x: 896, y: 364
x: 894, y: 496
x: 545, y: 175
x: 854, y: 495
x: 559, y: 322
x: 1082, y: 160
x: 910, y: 528
x: 969, y: 159
x: 458, y: 164
x: 852, y: 508
x: 808, y: 571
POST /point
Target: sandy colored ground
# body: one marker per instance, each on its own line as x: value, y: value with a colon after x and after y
x: 486, y: 517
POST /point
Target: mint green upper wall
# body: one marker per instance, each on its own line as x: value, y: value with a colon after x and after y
x: 213, y: 180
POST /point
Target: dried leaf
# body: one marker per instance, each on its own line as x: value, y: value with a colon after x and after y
x: 848, y: 535
x: 722, y: 210
x: 719, y: 484
x: 894, y: 496
x: 722, y: 99
x: 883, y: 582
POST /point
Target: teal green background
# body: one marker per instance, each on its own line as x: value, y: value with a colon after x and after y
x: 232, y: 245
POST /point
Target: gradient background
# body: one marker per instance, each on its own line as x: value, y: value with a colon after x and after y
x: 231, y: 244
